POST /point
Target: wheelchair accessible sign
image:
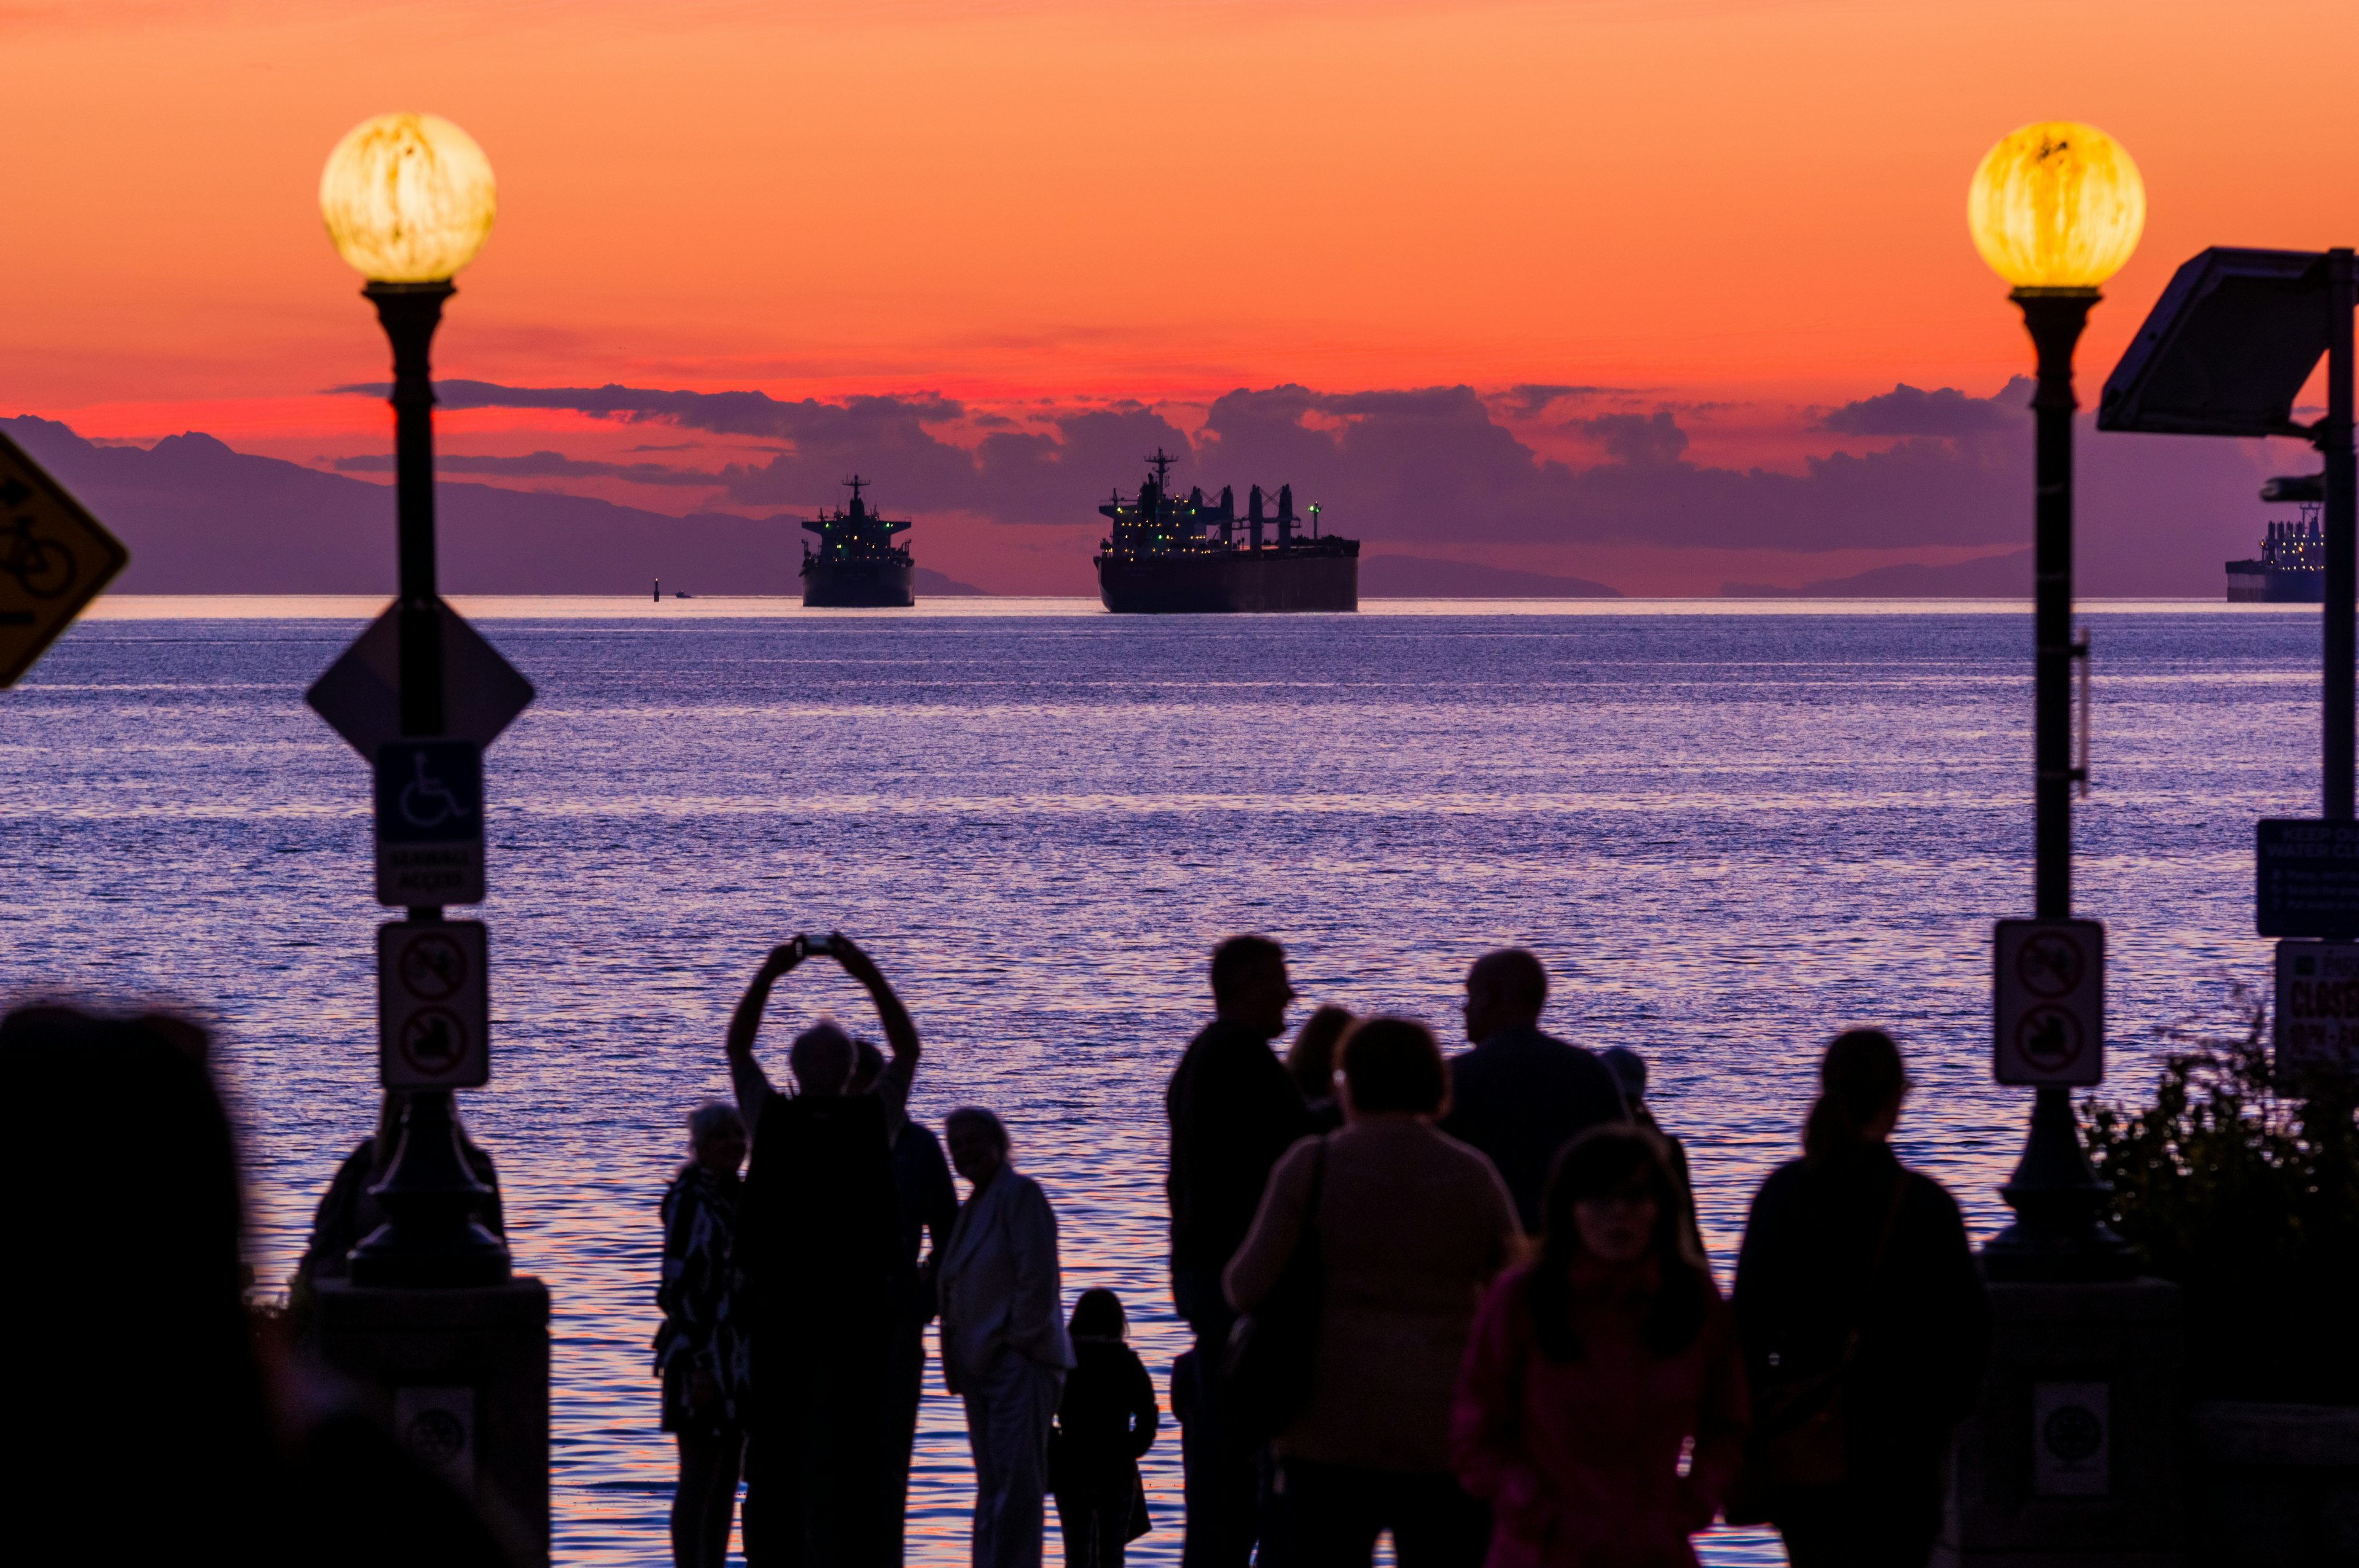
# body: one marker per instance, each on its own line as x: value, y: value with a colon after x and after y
x: 429, y: 822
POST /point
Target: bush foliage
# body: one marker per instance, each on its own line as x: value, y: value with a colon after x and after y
x: 2248, y: 1199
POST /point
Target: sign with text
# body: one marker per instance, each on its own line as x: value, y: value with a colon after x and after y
x: 2049, y: 1002
x: 2317, y: 1020
x: 434, y: 1009
x: 54, y: 558
x: 429, y: 822
x: 2306, y: 878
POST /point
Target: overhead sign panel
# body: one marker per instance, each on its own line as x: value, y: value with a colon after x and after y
x: 2225, y: 349
x: 54, y: 558
x: 434, y: 1010
x: 2048, y: 989
x: 2306, y: 878
x: 360, y: 694
x: 429, y: 822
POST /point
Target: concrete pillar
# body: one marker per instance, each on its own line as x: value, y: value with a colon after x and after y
x: 461, y: 1378
x: 2073, y: 1457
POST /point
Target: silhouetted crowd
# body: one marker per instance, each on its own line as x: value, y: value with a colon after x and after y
x: 1461, y: 1301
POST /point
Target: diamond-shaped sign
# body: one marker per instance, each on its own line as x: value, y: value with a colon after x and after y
x: 360, y: 694
x: 54, y: 558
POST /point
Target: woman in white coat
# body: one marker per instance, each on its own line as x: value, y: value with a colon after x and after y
x: 1004, y: 1349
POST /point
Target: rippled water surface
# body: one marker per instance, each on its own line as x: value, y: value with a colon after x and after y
x: 1728, y: 831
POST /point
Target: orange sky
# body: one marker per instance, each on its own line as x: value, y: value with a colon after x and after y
x: 1746, y: 201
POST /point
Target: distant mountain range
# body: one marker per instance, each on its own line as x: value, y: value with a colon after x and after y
x: 200, y: 518
x: 1424, y: 576
x: 1986, y: 577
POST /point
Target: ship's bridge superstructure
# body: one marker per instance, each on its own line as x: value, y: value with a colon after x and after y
x: 1157, y: 523
x: 2290, y: 568
x: 859, y: 534
x: 858, y: 566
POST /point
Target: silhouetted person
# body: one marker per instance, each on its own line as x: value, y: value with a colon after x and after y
x: 175, y: 1392
x: 819, y: 1262
x: 1629, y: 1070
x: 1005, y: 1352
x: 349, y: 1212
x: 1590, y: 1371
x: 1105, y: 1420
x: 1311, y: 1061
x: 1844, y: 1241
x: 1233, y: 1111
x: 929, y: 1206
x: 1521, y: 1096
x: 699, y: 1353
x: 1411, y: 1225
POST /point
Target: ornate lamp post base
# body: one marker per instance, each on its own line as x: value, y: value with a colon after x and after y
x: 2057, y: 1234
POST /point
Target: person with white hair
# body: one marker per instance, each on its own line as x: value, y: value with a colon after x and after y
x: 1005, y: 1347
x: 819, y: 1238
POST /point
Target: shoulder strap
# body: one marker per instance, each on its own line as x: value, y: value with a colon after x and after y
x: 1318, y: 1186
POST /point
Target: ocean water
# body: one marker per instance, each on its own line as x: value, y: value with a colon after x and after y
x: 1730, y: 829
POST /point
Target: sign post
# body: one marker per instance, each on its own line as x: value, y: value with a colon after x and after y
x: 2316, y: 1024
x: 429, y: 822
x: 55, y: 558
x: 2049, y: 1019
x: 434, y: 1010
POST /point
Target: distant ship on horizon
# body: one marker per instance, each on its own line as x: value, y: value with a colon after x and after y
x: 2290, y: 568
x: 858, y: 566
x: 1164, y: 557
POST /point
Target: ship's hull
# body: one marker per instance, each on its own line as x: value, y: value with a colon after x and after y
x: 858, y: 585
x: 1233, y: 584
x: 2258, y: 582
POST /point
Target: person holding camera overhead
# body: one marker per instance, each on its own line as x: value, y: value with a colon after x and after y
x: 819, y: 1244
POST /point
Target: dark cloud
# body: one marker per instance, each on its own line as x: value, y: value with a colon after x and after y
x: 721, y: 413
x: 1530, y: 399
x: 1422, y: 464
x: 1636, y: 439
x: 1907, y: 410
x: 542, y: 465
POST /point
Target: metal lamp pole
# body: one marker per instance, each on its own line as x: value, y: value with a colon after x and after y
x: 2342, y: 540
x: 2055, y: 1196
x: 430, y: 1238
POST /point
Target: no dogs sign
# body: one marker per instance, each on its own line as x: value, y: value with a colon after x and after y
x: 434, y: 1010
x: 2049, y: 996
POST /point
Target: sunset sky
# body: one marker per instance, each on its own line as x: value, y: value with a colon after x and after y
x: 1743, y: 213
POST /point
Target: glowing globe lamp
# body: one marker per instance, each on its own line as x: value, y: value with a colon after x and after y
x: 408, y: 198
x: 2055, y: 205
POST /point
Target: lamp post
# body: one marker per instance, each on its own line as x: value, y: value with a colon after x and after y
x: 408, y: 200
x: 2055, y: 209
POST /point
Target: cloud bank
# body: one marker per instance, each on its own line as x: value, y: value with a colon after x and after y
x: 1419, y: 467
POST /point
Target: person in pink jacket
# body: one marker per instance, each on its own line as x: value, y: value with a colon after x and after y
x: 1602, y: 1407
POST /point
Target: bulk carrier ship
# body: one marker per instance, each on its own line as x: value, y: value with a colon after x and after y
x: 2290, y: 568
x: 858, y: 566
x: 1166, y: 556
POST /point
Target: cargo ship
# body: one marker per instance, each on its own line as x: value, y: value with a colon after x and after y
x: 858, y: 566
x: 2290, y: 568
x: 1169, y: 557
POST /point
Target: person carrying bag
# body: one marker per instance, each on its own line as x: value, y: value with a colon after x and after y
x: 1358, y: 1282
x: 1865, y: 1329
